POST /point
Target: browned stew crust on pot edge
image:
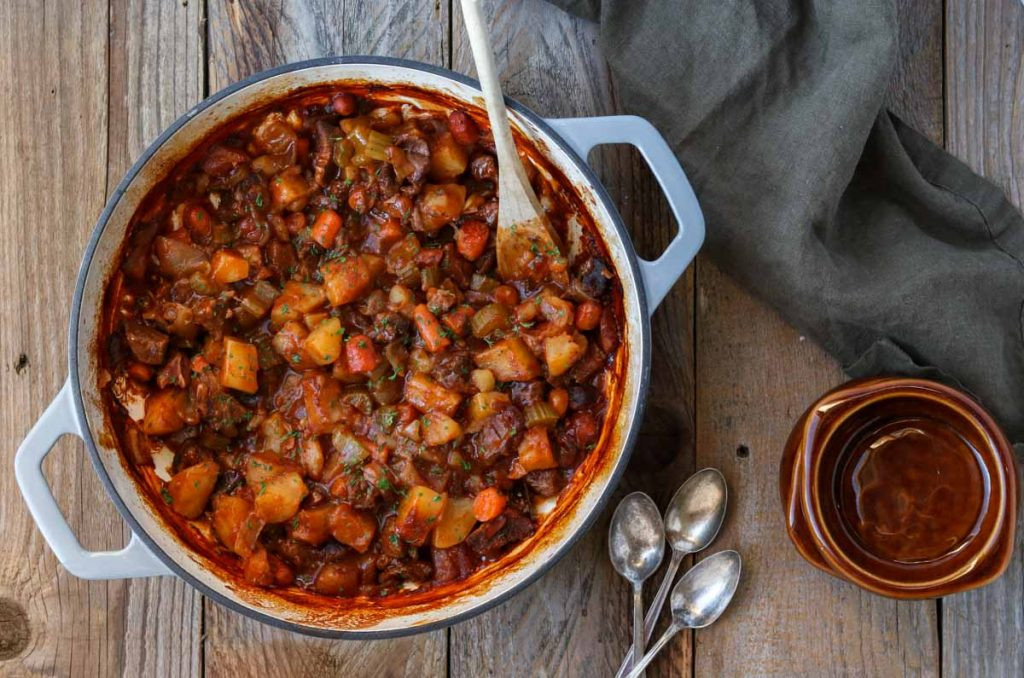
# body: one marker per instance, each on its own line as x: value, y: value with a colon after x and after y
x: 354, y: 402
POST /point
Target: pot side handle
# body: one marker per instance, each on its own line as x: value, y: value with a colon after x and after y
x: 583, y: 134
x: 134, y: 560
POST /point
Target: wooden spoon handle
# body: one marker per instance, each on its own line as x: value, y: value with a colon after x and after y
x: 508, y: 157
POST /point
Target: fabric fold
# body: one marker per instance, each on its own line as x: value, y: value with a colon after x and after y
x: 862, y: 233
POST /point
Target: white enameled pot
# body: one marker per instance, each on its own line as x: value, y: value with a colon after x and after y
x: 157, y: 549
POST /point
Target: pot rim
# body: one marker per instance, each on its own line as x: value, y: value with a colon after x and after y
x: 624, y: 453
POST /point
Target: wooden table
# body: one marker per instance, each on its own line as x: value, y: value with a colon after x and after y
x: 85, y: 86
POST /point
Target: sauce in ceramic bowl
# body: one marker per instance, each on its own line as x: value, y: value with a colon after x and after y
x: 903, y: 486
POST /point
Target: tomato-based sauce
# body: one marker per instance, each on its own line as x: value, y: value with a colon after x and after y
x: 310, y: 358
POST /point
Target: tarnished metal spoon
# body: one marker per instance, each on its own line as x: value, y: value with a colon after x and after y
x: 699, y: 599
x: 692, y: 521
x: 636, y: 544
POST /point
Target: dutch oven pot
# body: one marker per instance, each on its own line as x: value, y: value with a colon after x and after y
x: 156, y: 549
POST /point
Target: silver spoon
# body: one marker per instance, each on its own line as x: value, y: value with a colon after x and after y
x: 636, y: 544
x: 699, y: 599
x: 692, y: 521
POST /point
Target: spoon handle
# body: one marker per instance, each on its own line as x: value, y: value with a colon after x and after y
x: 655, y: 609
x: 638, y: 620
x: 504, y: 146
x: 669, y: 634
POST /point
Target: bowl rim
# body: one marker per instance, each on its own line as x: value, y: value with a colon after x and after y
x: 866, y: 392
x: 542, y: 567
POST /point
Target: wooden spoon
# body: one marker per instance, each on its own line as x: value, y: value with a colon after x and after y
x: 528, y: 248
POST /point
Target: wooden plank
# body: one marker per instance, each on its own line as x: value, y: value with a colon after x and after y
x: 578, y: 614
x: 246, y: 38
x: 755, y: 376
x: 915, y: 93
x: 53, y: 99
x: 982, y: 630
x: 156, y: 71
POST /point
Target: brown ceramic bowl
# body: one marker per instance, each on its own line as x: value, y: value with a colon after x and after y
x: 904, y: 487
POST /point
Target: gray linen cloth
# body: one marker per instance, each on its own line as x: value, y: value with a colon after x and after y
x: 862, y: 233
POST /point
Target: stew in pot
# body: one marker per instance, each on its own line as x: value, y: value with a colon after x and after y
x: 310, y: 356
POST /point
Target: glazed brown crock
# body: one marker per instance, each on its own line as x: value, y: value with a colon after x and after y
x: 817, y: 454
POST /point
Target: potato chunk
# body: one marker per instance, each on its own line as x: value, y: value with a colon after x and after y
x: 483, y: 405
x: 440, y: 204
x: 510, y: 360
x: 228, y: 517
x: 276, y: 485
x: 437, y: 428
x: 163, y: 412
x: 322, y: 396
x: 562, y: 351
x: 313, y: 525
x: 278, y: 499
x: 535, y: 453
x: 346, y: 279
x: 353, y: 527
x: 228, y: 267
x: 447, y: 158
x: 190, y: 488
x: 418, y: 513
x: 426, y: 395
x: 455, y: 523
x: 323, y: 345
x: 240, y: 366
x: 295, y: 300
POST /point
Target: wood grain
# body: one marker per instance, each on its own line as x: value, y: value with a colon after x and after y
x: 246, y: 38
x: 156, y: 67
x: 982, y: 630
x: 916, y: 91
x: 53, y: 79
x: 578, y: 614
x: 755, y: 376
x: 105, y: 78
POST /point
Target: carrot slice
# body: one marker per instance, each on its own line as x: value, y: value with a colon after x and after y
x: 489, y: 504
x: 360, y: 354
x: 430, y: 329
x: 325, y: 228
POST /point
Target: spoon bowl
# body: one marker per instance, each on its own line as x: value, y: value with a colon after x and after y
x: 698, y: 599
x: 703, y: 593
x: 636, y: 544
x: 636, y: 537
x: 692, y: 521
x: 696, y: 512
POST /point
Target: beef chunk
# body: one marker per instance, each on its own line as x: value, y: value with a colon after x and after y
x: 545, y: 483
x: 322, y: 149
x: 526, y: 393
x: 452, y: 564
x: 593, y: 277
x: 174, y: 372
x: 484, y: 168
x: 388, y: 327
x: 500, y: 435
x: 453, y: 369
x: 147, y: 344
x: 491, y: 538
x: 399, y: 571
